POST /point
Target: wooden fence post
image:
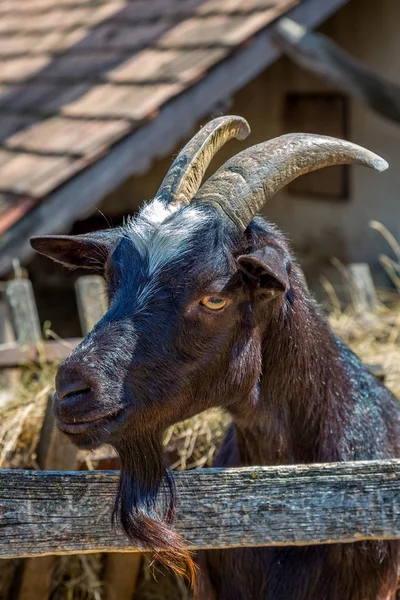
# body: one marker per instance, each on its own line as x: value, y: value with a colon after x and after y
x: 362, y: 290
x: 23, y: 312
x: 91, y: 299
x: 8, y: 379
x: 121, y: 568
x: 34, y: 577
x: 8, y: 376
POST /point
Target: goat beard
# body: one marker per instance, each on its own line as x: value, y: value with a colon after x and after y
x: 145, y: 504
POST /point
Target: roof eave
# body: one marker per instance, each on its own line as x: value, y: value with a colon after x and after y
x: 134, y: 154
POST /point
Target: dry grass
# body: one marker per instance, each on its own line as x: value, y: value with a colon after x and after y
x: 78, y: 577
x: 21, y: 414
x: 374, y: 338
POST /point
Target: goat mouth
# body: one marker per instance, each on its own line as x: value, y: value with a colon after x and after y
x: 107, y: 423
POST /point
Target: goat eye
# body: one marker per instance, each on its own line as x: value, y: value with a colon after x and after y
x: 213, y: 302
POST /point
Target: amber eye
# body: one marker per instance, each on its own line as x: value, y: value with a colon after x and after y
x: 213, y: 302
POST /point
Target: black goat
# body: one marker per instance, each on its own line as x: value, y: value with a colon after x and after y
x: 208, y: 308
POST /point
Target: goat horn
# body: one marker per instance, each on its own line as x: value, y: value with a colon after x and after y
x: 244, y: 183
x: 187, y: 171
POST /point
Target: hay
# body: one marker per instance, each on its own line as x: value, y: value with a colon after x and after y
x: 195, y: 441
x: 78, y: 577
x: 375, y: 338
x: 21, y: 415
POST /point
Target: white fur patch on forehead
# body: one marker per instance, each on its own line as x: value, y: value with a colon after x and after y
x: 156, y: 212
x: 162, y: 240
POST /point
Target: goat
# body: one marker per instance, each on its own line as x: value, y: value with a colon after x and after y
x: 209, y: 308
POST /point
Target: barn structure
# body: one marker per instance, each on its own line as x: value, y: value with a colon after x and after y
x: 96, y: 97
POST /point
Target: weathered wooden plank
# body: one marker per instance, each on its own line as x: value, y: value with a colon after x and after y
x: 362, y: 287
x: 26, y: 325
x: 66, y: 136
x: 83, y: 65
x: 21, y: 68
x: 91, y: 299
x: 11, y: 124
x: 120, y: 575
x: 123, y: 36
x: 35, y: 578
x: 14, y: 355
x: 42, y: 97
x: 55, y: 451
x: 59, y: 19
x: 9, y: 378
x: 23, y: 312
x: 32, y: 174
x: 240, y: 6
x: 220, y: 30
x: 61, y: 513
x: 122, y: 101
x: 40, y: 43
x: 168, y: 65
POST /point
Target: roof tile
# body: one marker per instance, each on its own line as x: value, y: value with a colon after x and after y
x: 173, y: 65
x: 65, y: 136
x: 16, y: 70
x: 59, y: 18
x: 37, y: 43
x: 41, y: 98
x: 156, y: 9
x: 242, y: 6
x: 10, y: 124
x: 124, y: 37
x: 83, y: 65
x: 218, y: 30
x: 32, y: 174
x: 124, y: 101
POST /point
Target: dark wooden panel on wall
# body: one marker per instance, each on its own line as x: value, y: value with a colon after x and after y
x: 326, y: 114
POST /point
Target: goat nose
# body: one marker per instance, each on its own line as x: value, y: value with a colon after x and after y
x: 71, y: 388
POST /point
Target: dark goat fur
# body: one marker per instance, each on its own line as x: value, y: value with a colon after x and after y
x: 296, y: 393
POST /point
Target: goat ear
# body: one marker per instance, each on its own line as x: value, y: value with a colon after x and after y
x: 88, y: 251
x: 267, y: 269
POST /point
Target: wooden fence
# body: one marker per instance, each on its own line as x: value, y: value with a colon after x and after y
x: 54, y: 511
x: 61, y: 513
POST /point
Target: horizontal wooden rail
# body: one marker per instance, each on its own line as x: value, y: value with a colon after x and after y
x: 16, y: 355
x: 67, y: 512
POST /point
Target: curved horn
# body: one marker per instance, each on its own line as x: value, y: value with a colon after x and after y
x: 187, y: 171
x: 244, y: 183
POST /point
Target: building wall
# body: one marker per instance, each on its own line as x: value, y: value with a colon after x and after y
x: 319, y: 227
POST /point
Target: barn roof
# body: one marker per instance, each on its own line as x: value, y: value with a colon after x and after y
x: 91, y: 91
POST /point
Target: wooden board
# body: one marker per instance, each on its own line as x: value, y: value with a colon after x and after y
x: 23, y: 312
x: 362, y: 287
x: 121, y: 574
x: 14, y: 355
x: 61, y: 513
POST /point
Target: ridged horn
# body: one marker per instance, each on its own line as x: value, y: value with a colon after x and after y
x: 244, y: 183
x: 187, y: 171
